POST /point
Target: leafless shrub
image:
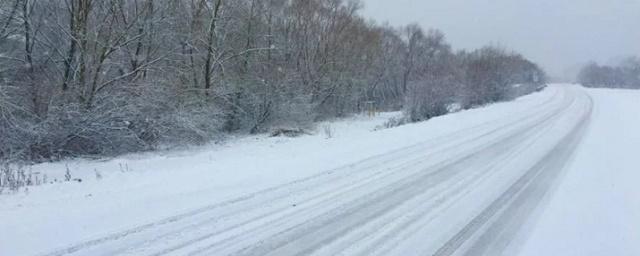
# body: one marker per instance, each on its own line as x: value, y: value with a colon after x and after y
x: 124, y: 167
x: 15, y: 177
x: 328, y: 131
x: 67, y: 174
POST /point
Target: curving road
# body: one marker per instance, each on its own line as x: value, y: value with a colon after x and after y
x: 472, y: 192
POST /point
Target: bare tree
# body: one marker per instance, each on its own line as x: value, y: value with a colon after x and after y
x: 86, y: 77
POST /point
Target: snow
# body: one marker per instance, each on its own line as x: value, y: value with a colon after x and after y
x: 596, y: 208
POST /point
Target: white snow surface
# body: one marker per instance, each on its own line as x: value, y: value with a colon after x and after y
x: 417, y: 189
x: 595, y: 209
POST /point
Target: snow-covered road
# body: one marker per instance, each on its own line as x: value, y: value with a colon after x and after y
x: 473, y: 191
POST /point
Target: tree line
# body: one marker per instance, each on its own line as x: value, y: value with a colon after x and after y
x: 105, y: 77
x: 625, y: 74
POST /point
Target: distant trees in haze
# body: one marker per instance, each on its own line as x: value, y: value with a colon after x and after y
x: 624, y: 75
x: 89, y: 77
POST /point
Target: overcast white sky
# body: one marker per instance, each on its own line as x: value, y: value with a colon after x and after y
x: 558, y: 34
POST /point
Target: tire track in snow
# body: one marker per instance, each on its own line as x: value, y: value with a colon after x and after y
x: 322, y: 205
x: 389, y: 172
x: 397, y: 161
x: 362, y: 213
x: 253, y: 232
x: 297, y: 186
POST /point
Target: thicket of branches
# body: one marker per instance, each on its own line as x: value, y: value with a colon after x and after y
x: 104, y: 77
x: 624, y: 75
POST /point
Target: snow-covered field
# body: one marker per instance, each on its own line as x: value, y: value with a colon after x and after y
x: 477, y: 181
